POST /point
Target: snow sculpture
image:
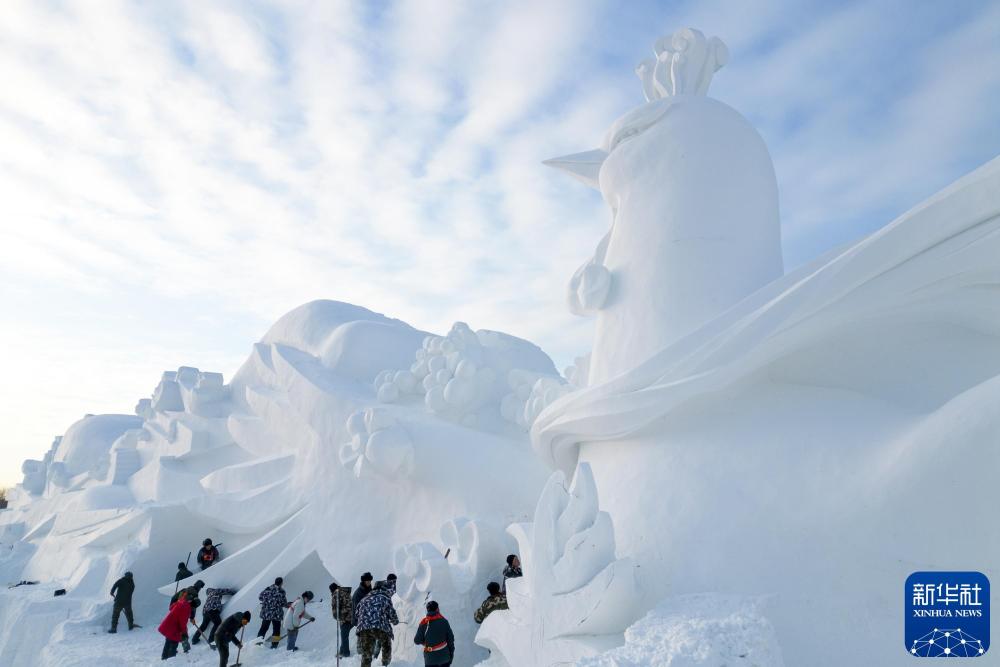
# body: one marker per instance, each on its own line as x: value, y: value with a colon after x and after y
x: 465, y: 376
x: 455, y: 577
x: 748, y: 433
x: 36, y: 473
x: 531, y: 394
x: 575, y: 597
x: 798, y: 421
x: 34, y: 476
x: 694, y: 206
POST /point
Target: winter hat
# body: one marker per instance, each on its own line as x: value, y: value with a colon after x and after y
x: 199, y: 584
x: 247, y: 616
x: 206, y: 542
x: 493, y: 587
x: 279, y: 581
x: 308, y: 595
x: 432, y: 607
x: 128, y: 574
x: 367, y: 576
x: 391, y: 577
x: 334, y: 586
x: 181, y: 566
x: 510, y: 559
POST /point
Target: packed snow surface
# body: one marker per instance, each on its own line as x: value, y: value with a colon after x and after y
x: 697, y: 631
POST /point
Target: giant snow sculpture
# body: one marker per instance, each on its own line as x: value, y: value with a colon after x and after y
x: 799, y: 440
x: 298, y: 468
x: 745, y: 465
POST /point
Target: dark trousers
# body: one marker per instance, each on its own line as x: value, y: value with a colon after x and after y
x: 119, y: 608
x: 169, y: 649
x: 263, y: 630
x: 345, y: 640
x: 213, y: 618
x: 223, y: 653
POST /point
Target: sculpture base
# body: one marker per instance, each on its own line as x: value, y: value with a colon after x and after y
x: 825, y: 498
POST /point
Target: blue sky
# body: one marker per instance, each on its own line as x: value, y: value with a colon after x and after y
x: 175, y: 176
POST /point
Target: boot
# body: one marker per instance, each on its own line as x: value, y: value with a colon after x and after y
x: 112, y: 631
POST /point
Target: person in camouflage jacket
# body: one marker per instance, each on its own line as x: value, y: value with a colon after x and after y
x: 343, y: 613
x: 494, y: 602
x: 375, y: 617
x: 272, y: 609
x: 211, y: 613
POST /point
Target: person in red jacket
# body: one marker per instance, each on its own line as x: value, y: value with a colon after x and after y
x: 174, y: 625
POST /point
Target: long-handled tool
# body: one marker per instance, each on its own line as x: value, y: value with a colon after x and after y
x: 240, y: 649
x: 339, y: 633
x: 261, y: 640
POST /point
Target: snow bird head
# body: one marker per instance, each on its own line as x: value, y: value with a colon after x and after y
x: 684, y: 64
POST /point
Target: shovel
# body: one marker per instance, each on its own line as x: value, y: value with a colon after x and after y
x: 240, y: 650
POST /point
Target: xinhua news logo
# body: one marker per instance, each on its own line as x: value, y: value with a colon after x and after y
x: 947, y: 614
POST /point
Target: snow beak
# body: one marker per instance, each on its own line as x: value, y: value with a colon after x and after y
x: 585, y: 167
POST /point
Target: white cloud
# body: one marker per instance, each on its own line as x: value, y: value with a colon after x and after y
x: 165, y: 160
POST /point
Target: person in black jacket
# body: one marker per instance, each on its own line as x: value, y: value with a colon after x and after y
x: 436, y: 637
x: 208, y: 555
x: 364, y: 588
x: 227, y: 633
x: 122, y: 593
x: 182, y: 572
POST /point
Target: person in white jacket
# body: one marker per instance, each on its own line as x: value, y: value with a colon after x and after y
x: 296, y: 617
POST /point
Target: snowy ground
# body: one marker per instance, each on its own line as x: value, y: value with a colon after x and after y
x: 89, y: 644
x: 79, y: 643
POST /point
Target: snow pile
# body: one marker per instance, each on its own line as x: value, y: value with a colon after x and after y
x: 705, y: 630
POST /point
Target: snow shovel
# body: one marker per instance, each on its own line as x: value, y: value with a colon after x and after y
x: 262, y: 640
x: 240, y: 649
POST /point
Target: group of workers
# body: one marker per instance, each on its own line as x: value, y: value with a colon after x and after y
x: 368, y: 609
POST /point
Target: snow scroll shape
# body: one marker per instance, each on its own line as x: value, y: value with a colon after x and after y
x: 684, y: 64
x: 575, y: 597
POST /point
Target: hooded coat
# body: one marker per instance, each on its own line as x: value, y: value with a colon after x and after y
x: 273, y: 602
x: 375, y: 611
x: 175, y: 622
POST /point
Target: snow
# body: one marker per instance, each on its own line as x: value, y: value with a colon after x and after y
x: 743, y: 468
x: 703, y: 630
